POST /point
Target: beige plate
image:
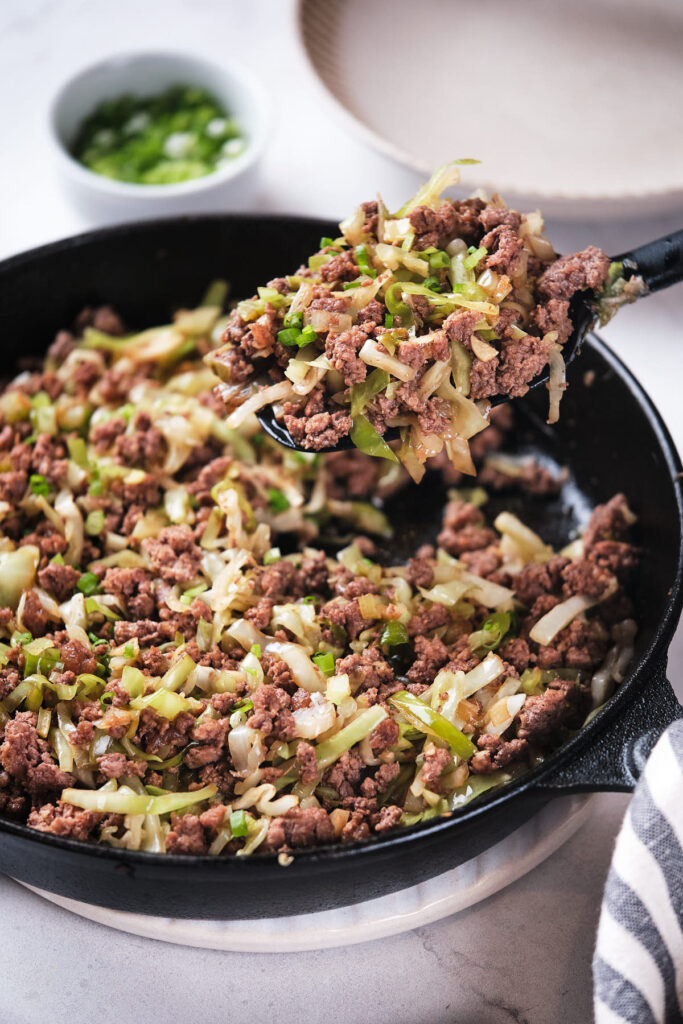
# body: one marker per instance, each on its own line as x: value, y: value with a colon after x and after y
x: 430, y: 901
x: 577, y: 107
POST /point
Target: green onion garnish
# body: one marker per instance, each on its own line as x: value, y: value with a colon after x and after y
x: 277, y: 500
x: 325, y: 242
x: 88, y: 584
x: 325, y: 662
x: 351, y: 284
x: 271, y: 556
x: 439, y: 260
x: 308, y: 335
x: 474, y: 256
x: 433, y: 284
x: 309, y: 599
x: 393, y: 634
x: 238, y: 824
x: 294, y: 320
x: 39, y: 484
x: 289, y: 336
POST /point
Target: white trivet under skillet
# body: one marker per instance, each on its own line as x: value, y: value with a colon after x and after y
x: 575, y: 107
x: 375, y: 919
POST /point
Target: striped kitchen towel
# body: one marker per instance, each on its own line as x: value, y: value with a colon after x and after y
x: 638, y: 962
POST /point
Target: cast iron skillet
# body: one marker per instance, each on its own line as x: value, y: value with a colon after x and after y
x: 609, y: 435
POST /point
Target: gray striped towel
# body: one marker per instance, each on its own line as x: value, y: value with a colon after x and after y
x: 638, y: 962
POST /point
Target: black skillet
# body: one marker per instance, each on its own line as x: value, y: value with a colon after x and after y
x: 609, y: 435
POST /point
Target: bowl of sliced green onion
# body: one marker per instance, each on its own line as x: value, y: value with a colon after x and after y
x: 163, y: 132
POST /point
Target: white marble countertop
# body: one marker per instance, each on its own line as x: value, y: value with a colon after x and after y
x: 521, y: 956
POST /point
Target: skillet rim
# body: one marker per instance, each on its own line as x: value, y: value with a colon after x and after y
x: 381, y: 846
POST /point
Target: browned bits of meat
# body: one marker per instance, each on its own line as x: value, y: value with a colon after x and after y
x: 307, y: 762
x: 494, y: 216
x: 483, y: 562
x: 372, y: 315
x: 61, y: 347
x: 586, y: 269
x: 207, y: 477
x: 13, y: 486
x: 544, y: 716
x: 533, y: 479
x: 313, y: 574
x: 238, y: 367
x: 373, y: 785
x: 309, y: 826
x: 174, y: 554
x: 387, y: 818
x: 365, y: 670
x: 420, y: 569
x: 504, y: 250
x: 145, y: 630
x: 272, y: 712
x: 113, y: 766
x: 340, y: 268
x: 351, y: 474
x: 521, y: 360
x: 459, y: 326
x: 345, y: 774
x: 608, y: 522
x: 433, y: 227
x: 77, y: 657
x: 346, y: 614
x: 186, y: 836
x: 145, y: 492
x: 102, y: 318
x: 26, y: 757
x: 384, y: 736
x: 49, y: 458
x: 437, y: 762
x: 483, y: 382
x: 278, y: 672
x: 210, y: 734
x: 585, y: 577
x: 260, y: 614
x: 155, y: 732
x: 552, y: 315
x: 329, y: 303
x: 345, y: 584
x: 9, y: 678
x: 371, y: 211
x: 533, y: 580
x: 342, y: 351
x: 461, y: 658
x: 279, y: 580
x: 428, y: 619
x: 495, y: 753
x: 133, y: 588
x: 470, y: 538
x: 33, y: 615
x: 431, y: 655
x: 614, y: 556
x: 280, y: 284
x: 319, y: 431
x: 64, y: 820
x: 516, y: 651
x: 60, y: 580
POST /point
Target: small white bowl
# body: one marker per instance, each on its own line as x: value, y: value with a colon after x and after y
x: 147, y: 74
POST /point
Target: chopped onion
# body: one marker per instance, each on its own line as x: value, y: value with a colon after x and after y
x: 318, y: 718
x: 482, y: 349
x: 530, y: 546
x: 492, y: 595
x: 501, y: 714
x: 373, y: 355
x: 550, y: 624
x: 322, y: 320
x: 556, y: 383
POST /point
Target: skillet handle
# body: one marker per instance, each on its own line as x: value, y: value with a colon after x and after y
x: 659, y: 263
x: 614, y: 761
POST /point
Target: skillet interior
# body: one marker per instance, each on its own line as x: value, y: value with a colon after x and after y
x: 610, y: 437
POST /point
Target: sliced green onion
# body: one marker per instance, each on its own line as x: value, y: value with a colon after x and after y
x: 348, y: 285
x: 238, y: 824
x: 325, y: 662
x: 325, y: 242
x: 294, y: 320
x: 308, y: 336
x: 92, y: 606
x: 394, y: 634
x: 256, y: 650
x: 278, y: 500
x: 289, y: 336
x: 474, y: 256
x: 188, y: 596
x: 88, y: 584
x: 363, y: 261
x: 433, y: 284
x: 309, y: 599
x: 439, y: 260
x: 431, y: 722
x: 367, y: 440
x: 271, y: 556
x: 128, y: 651
x: 38, y: 484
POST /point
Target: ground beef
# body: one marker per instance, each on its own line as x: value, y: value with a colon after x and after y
x: 174, y: 554
x: 482, y: 562
x: 483, y: 382
x: 145, y: 446
x: 33, y: 616
x: 350, y: 474
x: 608, y: 522
x: 504, y: 247
x: 9, y: 678
x: 552, y: 315
x: 133, y: 589
x: 428, y: 619
x: 299, y: 827
x: 65, y: 820
x: 430, y: 656
x: 156, y: 732
x: 614, y: 556
x: 307, y: 762
x: 437, y: 762
x: 60, y: 580
x: 77, y: 657
x: 461, y: 657
x: 272, y: 712
x: 365, y: 670
x: 535, y: 580
x: 345, y: 774
x: 113, y: 766
x: 346, y: 614
x: 433, y: 227
x: 260, y: 614
x: 495, y: 753
x: 340, y: 268
x: 342, y: 351
x: 383, y: 736
x: 187, y: 835
x: 463, y: 530
x: 319, y: 431
x: 208, y: 477
x: 516, y: 651
x: 146, y: 631
x: 521, y: 360
x: 570, y: 274
x: 26, y: 756
x: 545, y: 716
x: 582, y: 576
x: 210, y: 734
x: 420, y: 570
x: 278, y: 672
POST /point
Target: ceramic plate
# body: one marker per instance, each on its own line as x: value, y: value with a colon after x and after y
x: 576, y: 107
x: 389, y: 915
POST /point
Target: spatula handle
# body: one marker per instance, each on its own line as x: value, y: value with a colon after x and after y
x: 659, y: 263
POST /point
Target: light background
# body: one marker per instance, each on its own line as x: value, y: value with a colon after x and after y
x: 521, y: 956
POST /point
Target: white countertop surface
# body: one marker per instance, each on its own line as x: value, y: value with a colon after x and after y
x: 521, y: 956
